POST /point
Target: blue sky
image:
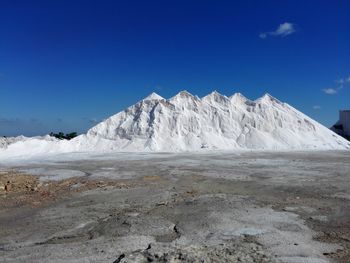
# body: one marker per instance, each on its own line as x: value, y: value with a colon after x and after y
x: 66, y: 64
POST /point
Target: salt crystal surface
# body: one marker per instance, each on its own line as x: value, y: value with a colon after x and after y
x: 188, y: 123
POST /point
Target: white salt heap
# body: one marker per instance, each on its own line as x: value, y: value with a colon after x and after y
x: 5, y: 141
x: 189, y: 123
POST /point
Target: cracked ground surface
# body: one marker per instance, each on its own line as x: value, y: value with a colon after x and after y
x: 218, y: 207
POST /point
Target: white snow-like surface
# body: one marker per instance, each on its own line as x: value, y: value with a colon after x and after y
x: 6, y: 141
x: 189, y: 123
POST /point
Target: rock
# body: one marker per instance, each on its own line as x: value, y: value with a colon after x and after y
x: 8, y: 187
x: 162, y: 203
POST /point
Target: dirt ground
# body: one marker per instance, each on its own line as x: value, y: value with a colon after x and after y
x: 220, y: 207
x: 22, y: 190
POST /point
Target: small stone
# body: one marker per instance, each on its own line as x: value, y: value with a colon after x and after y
x: 162, y: 203
x: 7, y: 187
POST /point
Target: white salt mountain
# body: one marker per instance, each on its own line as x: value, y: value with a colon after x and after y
x: 189, y: 123
x: 186, y: 123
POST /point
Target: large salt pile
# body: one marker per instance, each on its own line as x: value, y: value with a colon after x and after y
x: 189, y: 123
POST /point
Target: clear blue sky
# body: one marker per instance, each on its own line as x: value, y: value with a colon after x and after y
x: 66, y: 64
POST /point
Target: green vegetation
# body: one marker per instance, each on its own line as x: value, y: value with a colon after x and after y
x: 62, y: 136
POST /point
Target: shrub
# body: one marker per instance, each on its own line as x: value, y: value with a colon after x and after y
x: 62, y: 136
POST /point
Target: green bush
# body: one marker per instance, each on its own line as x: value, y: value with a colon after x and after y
x: 62, y: 136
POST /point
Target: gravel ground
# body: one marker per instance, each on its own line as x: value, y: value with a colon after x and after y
x: 217, y: 207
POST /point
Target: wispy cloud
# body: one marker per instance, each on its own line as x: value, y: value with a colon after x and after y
x: 330, y: 91
x: 283, y: 30
x: 340, y: 84
x: 316, y: 107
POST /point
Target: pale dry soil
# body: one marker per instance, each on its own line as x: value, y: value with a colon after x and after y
x: 218, y: 207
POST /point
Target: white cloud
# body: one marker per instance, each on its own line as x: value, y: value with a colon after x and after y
x: 283, y: 30
x: 316, y: 107
x: 330, y: 91
x: 341, y: 83
x: 263, y: 35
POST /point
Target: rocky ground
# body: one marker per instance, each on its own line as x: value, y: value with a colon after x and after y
x: 220, y: 207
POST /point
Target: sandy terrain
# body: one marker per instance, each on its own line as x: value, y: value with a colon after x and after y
x: 219, y: 207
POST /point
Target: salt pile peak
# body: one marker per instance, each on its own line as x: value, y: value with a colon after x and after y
x: 238, y: 99
x: 153, y: 96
